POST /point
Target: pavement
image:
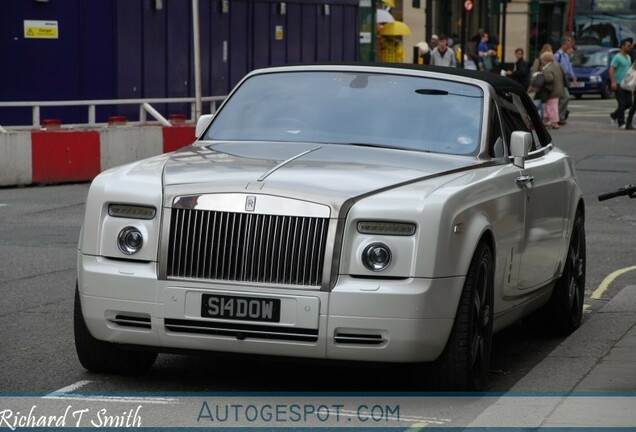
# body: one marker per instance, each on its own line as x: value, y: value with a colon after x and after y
x: 589, y: 380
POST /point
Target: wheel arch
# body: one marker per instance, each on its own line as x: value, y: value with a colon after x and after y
x: 474, y: 229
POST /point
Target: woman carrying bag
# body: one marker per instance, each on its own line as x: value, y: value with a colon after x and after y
x: 629, y: 84
x: 554, y: 88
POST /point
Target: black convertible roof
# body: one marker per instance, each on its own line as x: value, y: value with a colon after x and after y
x: 497, y: 81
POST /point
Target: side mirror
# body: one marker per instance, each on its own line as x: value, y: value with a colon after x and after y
x: 520, y: 143
x: 202, y: 124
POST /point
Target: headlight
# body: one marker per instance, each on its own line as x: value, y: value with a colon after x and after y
x: 130, y: 240
x: 131, y: 211
x: 386, y: 228
x: 376, y: 256
x: 595, y: 78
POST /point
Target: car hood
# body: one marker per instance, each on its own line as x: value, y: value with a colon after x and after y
x: 589, y: 71
x: 324, y: 171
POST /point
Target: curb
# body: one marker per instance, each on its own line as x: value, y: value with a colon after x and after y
x: 589, y: 380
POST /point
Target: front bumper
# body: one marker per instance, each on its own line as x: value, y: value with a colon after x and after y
x: 360, y: 319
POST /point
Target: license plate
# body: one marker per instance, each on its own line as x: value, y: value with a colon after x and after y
x: 577, y: 84
x: 240, y: 308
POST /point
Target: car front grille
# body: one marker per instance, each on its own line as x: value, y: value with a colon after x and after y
x: 246, y: 247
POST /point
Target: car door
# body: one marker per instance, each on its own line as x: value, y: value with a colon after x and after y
x: 543, y: 232
x: 544, y: 206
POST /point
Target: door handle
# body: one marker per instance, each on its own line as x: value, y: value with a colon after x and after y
x: 524, y: 179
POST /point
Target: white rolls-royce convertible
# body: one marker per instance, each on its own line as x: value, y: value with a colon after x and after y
x: 371, y: 213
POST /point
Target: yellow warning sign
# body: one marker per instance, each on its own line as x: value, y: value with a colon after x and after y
x: 279, y: 33
x: 41, y: 29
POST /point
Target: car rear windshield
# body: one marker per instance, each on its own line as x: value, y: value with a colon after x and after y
x: 373, y: 109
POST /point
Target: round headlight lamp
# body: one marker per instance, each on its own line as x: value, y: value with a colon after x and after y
x: 130, y: 240
x: 376, y: 256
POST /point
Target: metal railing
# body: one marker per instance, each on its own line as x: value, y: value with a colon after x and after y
x: 145, y: 107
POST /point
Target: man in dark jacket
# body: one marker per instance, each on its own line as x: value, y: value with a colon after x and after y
x: 521, y: 71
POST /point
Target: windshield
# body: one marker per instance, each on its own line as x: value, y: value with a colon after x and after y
x: 354, y: 108
x: 590, y: 58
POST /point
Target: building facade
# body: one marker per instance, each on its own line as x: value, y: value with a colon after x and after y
x: 512, y: 24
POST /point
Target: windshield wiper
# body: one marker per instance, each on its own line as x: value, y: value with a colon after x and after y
x: 386, y: 146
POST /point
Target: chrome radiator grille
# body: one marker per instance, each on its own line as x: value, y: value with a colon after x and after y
x: 246, y: 247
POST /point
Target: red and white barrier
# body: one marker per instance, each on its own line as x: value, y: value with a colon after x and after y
x: 63, y: 155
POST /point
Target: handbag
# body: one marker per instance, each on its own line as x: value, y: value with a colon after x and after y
x: 629, y: 82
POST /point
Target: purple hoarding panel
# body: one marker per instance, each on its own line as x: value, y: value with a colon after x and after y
x: 180, y: 77
x: 219, y: 48
x: 293, y: 32
x: 337, y: 33
x: 350, y: 34
x: 179, y: 42
x: 129, y: 48
x: 261, y: 36
x: 205, y: 15
x: 239, y: 41
x: 309, y: 33
x: 154, y: 54
x: 277, y: 33
x: 323, y: 33
x: 97, y: 54
x: 109, y: 49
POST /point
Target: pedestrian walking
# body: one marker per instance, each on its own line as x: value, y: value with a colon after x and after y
x: 521, y: 70
x: 534, y: 70
x: 443, y: 55
x: 632, y: 110
x: 617, y: 71
x: 485, y: 53
x: 562, y: 57
x: 431, y: 46
x: 553, y: 89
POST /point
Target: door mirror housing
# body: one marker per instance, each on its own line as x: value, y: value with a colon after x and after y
x: 202, y: 124
x: 520, y: 143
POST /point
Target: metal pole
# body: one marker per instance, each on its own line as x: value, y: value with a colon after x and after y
x: 197, y: 59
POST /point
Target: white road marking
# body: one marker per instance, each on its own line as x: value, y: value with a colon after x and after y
x: 117, y: 399
x: 3, y: 205
x: 66, y: 393
x: 70, y: 388
x: 598, y: 293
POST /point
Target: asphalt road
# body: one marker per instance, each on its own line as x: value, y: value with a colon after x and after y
x: 39, y: 227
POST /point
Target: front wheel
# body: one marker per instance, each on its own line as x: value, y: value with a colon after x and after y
x: 99, y: 356
x: 464, y: 362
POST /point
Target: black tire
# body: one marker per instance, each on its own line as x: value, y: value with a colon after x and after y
x: 464, y: 363
x: 578, y: 96
x: 607, y: 91
x: 99, y: 356
x: 565, y: 309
